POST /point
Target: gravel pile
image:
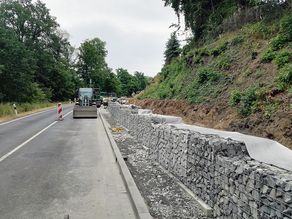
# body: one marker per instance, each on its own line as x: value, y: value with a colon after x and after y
x: 164, y: 197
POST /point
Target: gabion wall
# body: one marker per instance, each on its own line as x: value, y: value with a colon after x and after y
x: 217, y: 170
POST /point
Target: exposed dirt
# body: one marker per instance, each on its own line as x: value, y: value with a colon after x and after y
x: 278, y: 127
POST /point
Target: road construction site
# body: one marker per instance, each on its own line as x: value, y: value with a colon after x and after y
x: 52, y: 169
x: 131, y: 163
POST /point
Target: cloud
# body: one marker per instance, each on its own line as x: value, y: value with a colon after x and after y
x: 135, y: 30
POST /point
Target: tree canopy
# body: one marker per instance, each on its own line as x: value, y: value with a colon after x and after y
x: 130, y: 84
x: 35, y: 54
x: 206, y: 15
x: 36, y: 59
x: 91, y: 65
x: 172, y: 48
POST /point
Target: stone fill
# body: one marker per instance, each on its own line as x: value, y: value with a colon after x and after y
x: 218, y: 170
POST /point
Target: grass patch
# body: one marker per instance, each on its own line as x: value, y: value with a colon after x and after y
x: 223, y: 62
x: 6, y: 109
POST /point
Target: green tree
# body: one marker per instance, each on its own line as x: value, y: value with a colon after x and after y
x: 17, y: 71
x: 142, y: 81
x: 112, y: 84
x: 92, y: 66
x: 35, y: 31
x: 172, y: 48
x: 128, y: 82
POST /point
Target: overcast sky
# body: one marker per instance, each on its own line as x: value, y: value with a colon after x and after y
x: 135, y: 30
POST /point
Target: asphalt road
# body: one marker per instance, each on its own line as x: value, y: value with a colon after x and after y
x: 49, y: 169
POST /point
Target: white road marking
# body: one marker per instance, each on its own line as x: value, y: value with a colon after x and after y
x: 28, y: 140
x: 67, y: 114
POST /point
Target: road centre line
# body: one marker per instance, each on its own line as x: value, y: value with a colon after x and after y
x: 30, y: 139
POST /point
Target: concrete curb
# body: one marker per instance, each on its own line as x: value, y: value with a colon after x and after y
x: 138, y: 202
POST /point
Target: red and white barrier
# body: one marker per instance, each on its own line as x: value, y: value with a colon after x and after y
x: 60, y: 112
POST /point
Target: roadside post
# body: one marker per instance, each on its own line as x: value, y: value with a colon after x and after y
x: 15, y: 110
x: 60, y: 112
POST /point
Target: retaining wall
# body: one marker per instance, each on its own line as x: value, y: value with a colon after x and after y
x: 217, y: 170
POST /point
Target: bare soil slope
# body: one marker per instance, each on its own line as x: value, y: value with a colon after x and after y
x: 278, y: 127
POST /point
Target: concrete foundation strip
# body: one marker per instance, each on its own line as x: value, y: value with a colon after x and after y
x: 208, y: 211
x: 139, y: 205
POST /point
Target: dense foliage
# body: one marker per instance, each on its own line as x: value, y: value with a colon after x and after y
x: 248, y: 69
x: 207, y: 16
x: 36, y: 58
x: 130, y: 84
x: 94, y: 72
x: 34, y: 55
x: 91, y: 65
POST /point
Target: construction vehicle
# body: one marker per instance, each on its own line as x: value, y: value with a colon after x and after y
x: 87, y: 103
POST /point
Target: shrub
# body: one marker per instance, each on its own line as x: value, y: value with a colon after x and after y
x: 285, y: 77
x: 247, y: 102
x: 278, y: 42
x: 270, y: 108
x: 186, y: 49
x: 235, y: 98
x: 286, y: 26
x: 268, y: 55
x: 206, y: 74
x: 282, y: 58
x: 198, y: 60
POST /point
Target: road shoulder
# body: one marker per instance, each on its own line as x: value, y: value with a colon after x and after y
x: 136, y: 197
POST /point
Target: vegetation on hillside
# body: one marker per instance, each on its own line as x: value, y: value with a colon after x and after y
x: 38, y: 64
x: 207, y: 19
x: 247, y: 67
x: 235, y: 73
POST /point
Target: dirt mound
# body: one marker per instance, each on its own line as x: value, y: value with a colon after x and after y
x: 278, y: 127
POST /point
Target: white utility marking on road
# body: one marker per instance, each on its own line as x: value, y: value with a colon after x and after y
x: 34, y: 114
x: 27, y: 141
x: 67, y: 113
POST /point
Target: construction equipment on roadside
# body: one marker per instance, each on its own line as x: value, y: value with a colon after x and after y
x: 87, y: 103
